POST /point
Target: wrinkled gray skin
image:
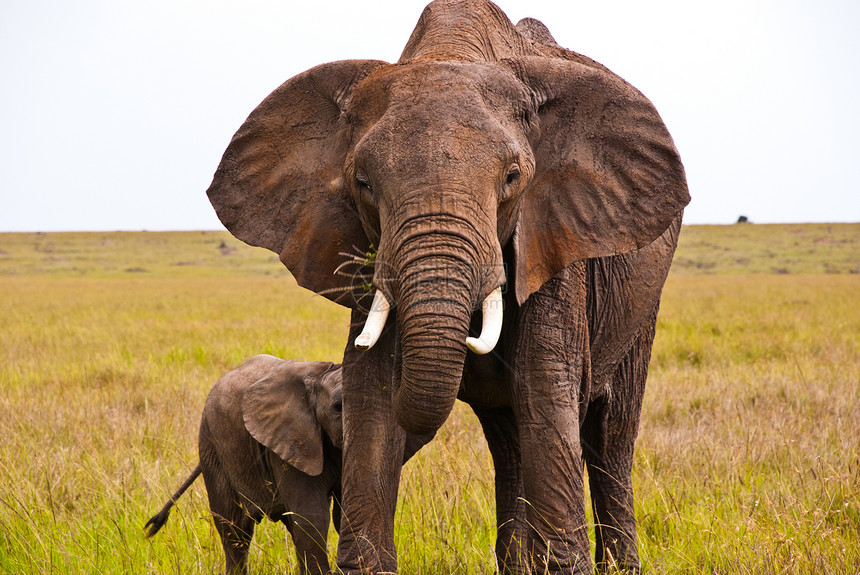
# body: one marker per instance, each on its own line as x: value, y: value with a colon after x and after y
x: 487, y: 155
x: 269, y: 444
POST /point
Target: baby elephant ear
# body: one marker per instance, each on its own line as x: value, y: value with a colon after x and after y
x: 279, y: 184
x: 278, y: 413
x: 608, y: 178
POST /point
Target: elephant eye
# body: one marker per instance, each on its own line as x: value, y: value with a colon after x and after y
x: 337, y: 406
x: 513, y: 175
x: 361, y: 182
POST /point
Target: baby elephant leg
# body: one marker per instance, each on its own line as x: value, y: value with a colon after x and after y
x: 308, y: 502
x: 234, y: 525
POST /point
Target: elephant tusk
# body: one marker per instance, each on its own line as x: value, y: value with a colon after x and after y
x: 491, y: 327
x: 376, y: 318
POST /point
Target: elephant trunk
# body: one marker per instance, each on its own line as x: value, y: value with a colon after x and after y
x: 435, y: 314
x: 433, y: 345
x: 438, y: 282
x: 435, y: 266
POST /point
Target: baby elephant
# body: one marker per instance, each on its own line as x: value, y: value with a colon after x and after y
x: 269, y: 445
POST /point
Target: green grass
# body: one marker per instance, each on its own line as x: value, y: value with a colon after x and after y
x: 102, y: 385
x: 749, y: 452
x: 117, y: 255
x: 748, y: 459
x: 769, y: 249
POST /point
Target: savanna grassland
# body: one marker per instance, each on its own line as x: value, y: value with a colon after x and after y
x: 748, y: 459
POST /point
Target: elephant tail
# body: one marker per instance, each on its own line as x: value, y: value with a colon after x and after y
x: 157, y: 522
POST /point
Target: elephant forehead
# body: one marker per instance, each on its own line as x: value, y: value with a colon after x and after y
x: 437, y: 91
x: 426, y: 116
x: 427, y: 150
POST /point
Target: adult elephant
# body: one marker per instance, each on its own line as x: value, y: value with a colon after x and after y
x: 486, y: 157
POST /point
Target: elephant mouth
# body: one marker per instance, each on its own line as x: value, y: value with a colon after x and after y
x: 492, y: 309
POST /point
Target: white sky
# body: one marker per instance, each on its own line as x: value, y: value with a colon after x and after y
x: 114, y: 114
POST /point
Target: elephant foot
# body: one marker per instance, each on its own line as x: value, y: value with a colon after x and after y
x: 628, y: 567
x: 613, y: 567
x: 362, y: 558
x: 562, y: 557
x: 555, y: 565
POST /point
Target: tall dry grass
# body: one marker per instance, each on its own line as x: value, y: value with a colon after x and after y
x: 748, y: 459
x: 749, y: 452
x: 103, y: 382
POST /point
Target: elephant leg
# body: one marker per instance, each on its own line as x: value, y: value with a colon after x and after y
x: 500, y: 429
x: 608, y: 434
x: 234, y: 525
x: 372, y: 455
x: 551, y: 373
x: 308, y: 502
x: 310, y: 539
x: 236, y: 535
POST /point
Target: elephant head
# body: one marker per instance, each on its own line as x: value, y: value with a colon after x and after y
x: 481, y: 141
x: 291, y: 405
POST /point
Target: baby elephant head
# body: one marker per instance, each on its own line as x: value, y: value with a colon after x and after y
x: 291, y: 406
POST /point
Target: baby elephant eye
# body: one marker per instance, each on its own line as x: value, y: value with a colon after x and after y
x: 337, y: 406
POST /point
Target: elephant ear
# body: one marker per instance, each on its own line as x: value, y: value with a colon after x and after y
x: 608, y: 178
x: 279, y: 184
x: 278, y: 413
